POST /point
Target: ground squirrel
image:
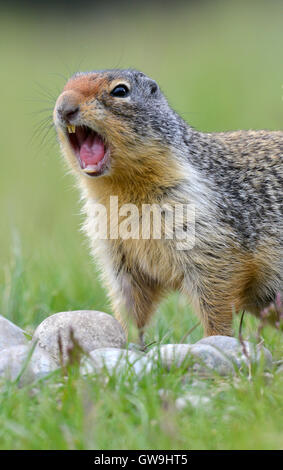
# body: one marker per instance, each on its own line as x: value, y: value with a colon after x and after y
x: 121, y: 138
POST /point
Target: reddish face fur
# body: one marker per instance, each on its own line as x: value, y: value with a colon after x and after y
x: 88, y: 86
x: 92, y: 92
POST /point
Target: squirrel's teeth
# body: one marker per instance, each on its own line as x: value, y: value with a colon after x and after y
x: 89, y: 170
x: 71, y: 129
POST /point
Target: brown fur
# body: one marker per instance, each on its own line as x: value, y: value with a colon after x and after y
x: 230, y: 268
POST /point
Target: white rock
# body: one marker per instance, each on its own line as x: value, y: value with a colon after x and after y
x: 114, y: 361
x: 196, y: 401
x: 233, y: 350
x: 10, y: 334
x: 170, y: 354
x: 91, y: 329
x: 202, y: 358
x: 15, y: 360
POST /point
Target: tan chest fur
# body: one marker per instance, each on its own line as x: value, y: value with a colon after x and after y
x: 155, y: 258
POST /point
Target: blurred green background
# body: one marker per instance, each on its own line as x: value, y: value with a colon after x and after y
x: 219, y: 63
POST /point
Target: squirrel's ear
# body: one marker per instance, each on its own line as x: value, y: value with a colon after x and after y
x: 153, y: 86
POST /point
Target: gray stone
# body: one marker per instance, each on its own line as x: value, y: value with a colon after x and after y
x: 15, y: 360
x: 207, y: 358
x: 134, y: 347
x: 10, y: 334
x: 91, y: 330
x: 202, y: 358
x: 233, y: 350
x: 114, y: 361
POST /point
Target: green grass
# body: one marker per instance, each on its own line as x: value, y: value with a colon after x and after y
x: 123, y: 413
x: 221, y: 68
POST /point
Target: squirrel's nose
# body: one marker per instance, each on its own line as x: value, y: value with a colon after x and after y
x: 68, y: 111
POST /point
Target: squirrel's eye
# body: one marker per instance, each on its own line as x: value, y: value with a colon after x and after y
x: 120, y: 91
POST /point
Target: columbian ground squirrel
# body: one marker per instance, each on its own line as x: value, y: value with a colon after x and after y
x: 130, y: 150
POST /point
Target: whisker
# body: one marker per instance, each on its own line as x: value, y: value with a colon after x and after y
x: 39, y: 100
x: 40, y: 111
x: 45, y: 138
x: 45, y: 92
x: 41, y: 126
x: 58, y: 75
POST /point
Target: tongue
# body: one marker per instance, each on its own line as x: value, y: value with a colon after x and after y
x: 92, y: 150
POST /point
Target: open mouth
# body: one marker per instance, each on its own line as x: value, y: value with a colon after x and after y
x: 90, y: 149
